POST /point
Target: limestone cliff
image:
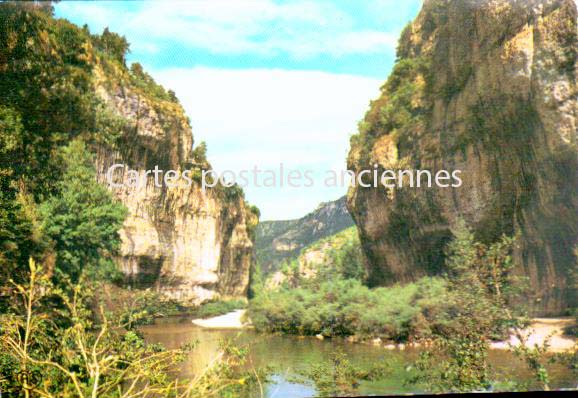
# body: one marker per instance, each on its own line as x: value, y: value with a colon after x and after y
x: 66, y: 83
x: 190, y: 245
x: 489, y: 88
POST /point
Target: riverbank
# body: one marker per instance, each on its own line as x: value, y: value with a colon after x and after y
x: 232, y: 320
x: 542, y: 330
x: 289, y: 356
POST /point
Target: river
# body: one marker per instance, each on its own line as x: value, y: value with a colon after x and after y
x: 288, y: 355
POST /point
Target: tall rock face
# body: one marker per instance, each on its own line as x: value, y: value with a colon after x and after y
x: 189, y: 244
x: 489, y: 88
x: 64, y: 82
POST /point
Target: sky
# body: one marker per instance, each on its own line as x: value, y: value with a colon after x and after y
x: 264, y: 82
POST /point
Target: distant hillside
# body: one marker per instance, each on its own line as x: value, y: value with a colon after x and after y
x: 280, y: 240
x: 338, y: 255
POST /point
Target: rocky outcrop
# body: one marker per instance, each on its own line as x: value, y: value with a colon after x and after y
x: 277, y: 241
x: 190, y: 245
x: 489, y: 88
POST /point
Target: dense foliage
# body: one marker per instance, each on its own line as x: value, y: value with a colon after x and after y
x: 61, y: 351
x: 17, y: 239
x: 83, y: 220
x: 48, y: 100
x: 340, y: 307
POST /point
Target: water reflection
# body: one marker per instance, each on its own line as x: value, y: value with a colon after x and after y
x: 287, y: 355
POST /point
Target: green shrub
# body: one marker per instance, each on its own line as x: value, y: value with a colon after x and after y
x: 146, y: 83
x: 216, y: 308
x: 341, y: 307
x: 83, y: 220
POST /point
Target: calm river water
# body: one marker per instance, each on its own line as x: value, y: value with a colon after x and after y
x: 287, y: 355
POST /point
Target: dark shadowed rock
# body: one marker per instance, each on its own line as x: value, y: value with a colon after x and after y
x: 489, y: 88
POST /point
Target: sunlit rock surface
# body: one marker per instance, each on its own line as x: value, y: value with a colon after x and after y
x: 190, y: 245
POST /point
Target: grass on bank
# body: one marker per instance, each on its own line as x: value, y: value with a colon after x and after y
x: 219, y: 307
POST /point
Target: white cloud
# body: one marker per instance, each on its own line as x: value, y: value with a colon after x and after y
x: 262, y: 27
x: 263, y: 117
x: 260, y: 116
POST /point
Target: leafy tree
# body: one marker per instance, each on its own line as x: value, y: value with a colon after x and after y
x: 16, y: 228
x: 256, y: 280
x: 482, y: 292
x: 83, y: 220
x: 112, y: 44
x: 482, y: 282
x: 200, y: 153
x: 11, y: 230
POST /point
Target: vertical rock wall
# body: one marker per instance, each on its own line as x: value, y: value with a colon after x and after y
x: 188, y: 244
x: 489, y: 88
